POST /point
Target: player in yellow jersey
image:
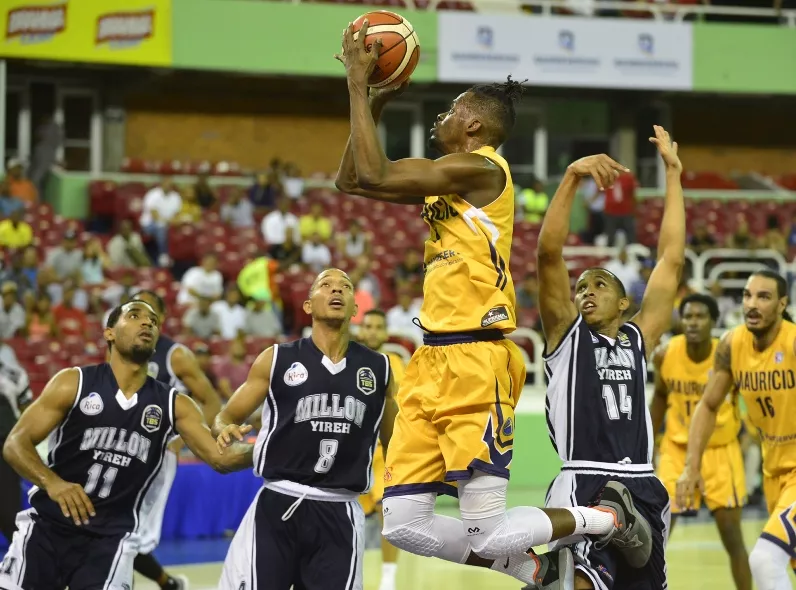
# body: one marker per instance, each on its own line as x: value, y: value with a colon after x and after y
x: 455, y: 430
x: 682, y: 367
x: 373, y: 334
x: 757, y: 359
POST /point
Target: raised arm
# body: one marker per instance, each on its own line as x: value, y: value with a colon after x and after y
x: 703, y: 422
x: 194, y: 431
x: 187, y: 370
x: 472, y: 176
x: 555, y: 294
x: 655, y: 315
x: 41, y: 418
x: 246, y: 399
x: 660, y: 399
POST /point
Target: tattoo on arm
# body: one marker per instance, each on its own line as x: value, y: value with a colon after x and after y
x: 723, y: 357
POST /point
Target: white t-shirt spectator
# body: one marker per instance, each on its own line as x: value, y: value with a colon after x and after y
x: 400, y: 319
x: 626, y: 272
x: 276, y: 225
x: 118, y: 250
x: 207, y: 284
x: 240, y: 214
x: 12, y: 320
x: 232, y: 318
x: 201, y: 325
x: 316, y: 256
x: 166, y: 204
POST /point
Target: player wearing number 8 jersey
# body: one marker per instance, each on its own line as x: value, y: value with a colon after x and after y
x: 758, y: 360
x: 109, y: 426
x: 682, y: 367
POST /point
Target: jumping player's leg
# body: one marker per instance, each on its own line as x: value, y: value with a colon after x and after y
x: 389, y: 561
x: 774, y: 549
x: 769, y: 564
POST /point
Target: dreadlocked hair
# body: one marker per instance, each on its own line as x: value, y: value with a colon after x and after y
x: 499, y: 102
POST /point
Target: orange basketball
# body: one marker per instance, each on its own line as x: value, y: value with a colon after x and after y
x: 400, y: 48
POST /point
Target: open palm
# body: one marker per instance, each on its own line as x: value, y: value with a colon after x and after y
x: 666, y: 148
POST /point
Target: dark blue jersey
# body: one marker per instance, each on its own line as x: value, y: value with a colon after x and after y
x: 160, y: 364
x: 321, y: 419
x: 596, y: 402
x: 112, y: 446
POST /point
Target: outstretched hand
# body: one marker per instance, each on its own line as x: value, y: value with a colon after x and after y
x: 666, y: 148
x: 601, y: 168
x: 359, y: 61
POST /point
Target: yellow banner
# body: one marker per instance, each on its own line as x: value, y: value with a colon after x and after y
x: 134, y: 32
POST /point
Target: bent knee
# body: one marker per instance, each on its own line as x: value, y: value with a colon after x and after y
x: 766, y: 559
x: 407, y: 522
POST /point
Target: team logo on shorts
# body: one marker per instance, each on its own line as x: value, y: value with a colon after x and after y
x: 366, y: 380
x: 92, y: 404
x: 508, y: 427
x: 151, y: 418
x: 152, y: 369
x: 495, y: 315
x: 296, y: 375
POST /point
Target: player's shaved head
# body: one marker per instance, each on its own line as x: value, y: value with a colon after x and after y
x: 329, y: 272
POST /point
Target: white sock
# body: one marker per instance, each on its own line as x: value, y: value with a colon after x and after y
x: 388, y: 571
x: 590, y: 521
x: 521, y: 566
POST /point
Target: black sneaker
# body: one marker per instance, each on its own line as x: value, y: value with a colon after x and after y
x: 178, y: 582
x: 556, y: 570
x: 632, y: 535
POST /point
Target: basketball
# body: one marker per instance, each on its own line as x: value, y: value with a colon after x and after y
x: 400, y: 48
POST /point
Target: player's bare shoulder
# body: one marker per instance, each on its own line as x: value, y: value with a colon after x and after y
x: 722, y: 359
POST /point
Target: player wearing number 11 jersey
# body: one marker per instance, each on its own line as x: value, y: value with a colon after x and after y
x: 109, y: 425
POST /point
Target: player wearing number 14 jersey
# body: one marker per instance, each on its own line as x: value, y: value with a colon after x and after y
x: 109, y: 425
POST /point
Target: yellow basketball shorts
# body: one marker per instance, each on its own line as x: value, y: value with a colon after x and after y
x: 780, y: 492
x: 371, y: 500
x: 722, y: 471
x: 456, y: 414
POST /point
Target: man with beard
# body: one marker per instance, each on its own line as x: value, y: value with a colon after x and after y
x: 109, y: 427
x: 758, y: 360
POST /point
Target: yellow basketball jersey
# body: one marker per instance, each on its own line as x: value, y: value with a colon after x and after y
x: 767, y: 381
x: 468, y: 285
x: 397, y: 367
x: 686, y: 380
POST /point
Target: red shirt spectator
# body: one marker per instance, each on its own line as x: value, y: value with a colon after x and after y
x: 231, y: 372
x: 620, y: 199
x: 70, y: 320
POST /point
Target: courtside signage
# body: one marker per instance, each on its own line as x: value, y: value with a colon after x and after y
x: 565, y: 51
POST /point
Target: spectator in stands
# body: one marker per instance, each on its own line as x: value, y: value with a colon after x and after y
x: 16, y: 274
x: 292, y: 183
x: 190, y: 210
x: 49, y: 139
x: 13, y: 321
x: 20, y: 187
x: 534, y: 201
x: 315, y: 255
x: 7, y: 202
x: 237, y: 211
x: 117, y: 293
x: 206, y: 195
x: 265, y: 191
x: 66, y: 260
x: 205, y: 361
x: 125, y: 249
x: 364, y: 279
x: 528, y: 293
x: 741, y: 238
x: 701, y: 240
x: 14, y: 232
x: 40, y: 320
x: 354, y: 242
x: 71, y: 321
x: 232, y: 370
x: 730, y: 314
x: 276, y: 224
x: 620, y: 205
x: 315, y: 223
x: 201, y: 321
x: 30, y: 267
x: 231, y: 313
x: 257, y: 280
x: 202, y: 281
x: 626, y: 268
x: 95, y: 262
x: 399, y: 317
x: 636, y: 289
x: 595, y: 200
x: 262, y: 321
x: 287, y: 254
x: 161, y: 204
x: 774, y: 239
x: 410, y: 270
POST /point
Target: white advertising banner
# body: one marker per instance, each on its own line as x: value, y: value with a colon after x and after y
x: 565, y: 51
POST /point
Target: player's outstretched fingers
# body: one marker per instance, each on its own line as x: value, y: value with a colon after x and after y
x: 87, y: 502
